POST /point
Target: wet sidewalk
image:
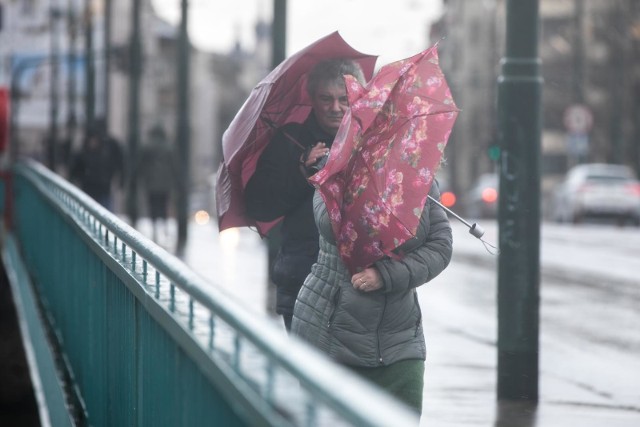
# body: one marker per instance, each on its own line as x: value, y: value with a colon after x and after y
x: 460, y: 326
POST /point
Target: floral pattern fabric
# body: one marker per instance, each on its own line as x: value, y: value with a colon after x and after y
x: 385, y: 156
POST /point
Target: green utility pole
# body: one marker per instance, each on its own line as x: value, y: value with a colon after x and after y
x: 619, y: 89
x: 278, y: 54
x: 90, y: 72
x: 182, y: 129
x: 634, y: 10
x: 279, y: 35
x: 519, y: 120
x: 52, y: 141
x: 72, y: 27
x: 135, y: 70
x: 578, y: 52
x: 108, y: 15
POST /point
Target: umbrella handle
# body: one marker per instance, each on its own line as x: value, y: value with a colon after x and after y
x: 474, y: 229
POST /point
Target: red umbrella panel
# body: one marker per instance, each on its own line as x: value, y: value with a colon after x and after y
x: 279, y: 98
x: 385, y: 156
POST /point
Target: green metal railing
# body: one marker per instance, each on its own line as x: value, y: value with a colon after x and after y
x: 146, y: 341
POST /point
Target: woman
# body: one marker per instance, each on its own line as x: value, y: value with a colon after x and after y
x: 371, y: 321
x: 279, y: 187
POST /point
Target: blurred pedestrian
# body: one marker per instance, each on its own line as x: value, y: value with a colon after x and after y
x: 157, y: 168
x: 97, y: 165
x: 279, y: 184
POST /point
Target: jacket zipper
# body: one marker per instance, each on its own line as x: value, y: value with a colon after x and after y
x: 384, y: 308
x: 335, y: 307
x: 419, y: 321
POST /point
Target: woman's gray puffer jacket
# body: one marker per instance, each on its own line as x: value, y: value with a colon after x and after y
x: 376, y: 328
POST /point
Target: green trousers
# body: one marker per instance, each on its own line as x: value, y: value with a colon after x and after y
x: 404, y: 380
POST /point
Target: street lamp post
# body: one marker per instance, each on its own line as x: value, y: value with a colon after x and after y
x: 52, y: 141
x: 278, y: 54
x: 519, y: 119
x: 71, y: 72
x: 90, y: 72
x: 279, y: 32
x: 108, y: 15
x: 182, y: 129
x: 135, y: 71
x: 578, y: 52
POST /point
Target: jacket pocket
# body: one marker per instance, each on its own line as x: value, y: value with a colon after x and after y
x: 335, y: 298
x: 419, y: 311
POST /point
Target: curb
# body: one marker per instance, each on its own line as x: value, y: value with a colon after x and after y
x: 562, y: 274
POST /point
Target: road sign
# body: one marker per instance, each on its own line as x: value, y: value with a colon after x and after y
x: 578, y: 119
x: 578, y: 144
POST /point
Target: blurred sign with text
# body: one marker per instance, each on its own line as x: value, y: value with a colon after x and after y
x: 578, y: 119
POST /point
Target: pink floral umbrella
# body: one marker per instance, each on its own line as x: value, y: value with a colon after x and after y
x: 385, y: 156
x: 280, y: 98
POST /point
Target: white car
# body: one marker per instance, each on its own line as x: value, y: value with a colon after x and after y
x: 597, y: 190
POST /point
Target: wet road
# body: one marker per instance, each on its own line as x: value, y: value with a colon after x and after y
x: 589, y: 338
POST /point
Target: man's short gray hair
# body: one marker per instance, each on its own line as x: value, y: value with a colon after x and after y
x: 331, y: 71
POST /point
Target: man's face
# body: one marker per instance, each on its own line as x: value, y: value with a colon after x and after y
x: 330, y: 103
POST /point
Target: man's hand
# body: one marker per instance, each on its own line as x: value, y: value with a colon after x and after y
x: 317, y: 151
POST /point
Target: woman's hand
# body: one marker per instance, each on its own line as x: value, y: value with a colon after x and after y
x: 367, y: 280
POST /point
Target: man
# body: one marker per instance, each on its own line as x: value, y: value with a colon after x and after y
x: 96, y: 165
x: 279, y: 185
x: 157, y: 169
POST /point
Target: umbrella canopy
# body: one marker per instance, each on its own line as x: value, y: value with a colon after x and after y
x: 385, y: 156
x: 279, y: 98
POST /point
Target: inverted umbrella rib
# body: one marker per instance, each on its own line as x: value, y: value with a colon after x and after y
x: 280, y: 98
x: 406, y: 119
x: 435, y: 101
x: 407, y: 229
x: 384, y: 203
x: 285, y: 133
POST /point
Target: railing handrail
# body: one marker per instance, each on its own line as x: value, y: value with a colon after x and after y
x: 354, y: 399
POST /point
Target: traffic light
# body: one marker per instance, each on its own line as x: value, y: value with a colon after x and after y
x: 494, y: 152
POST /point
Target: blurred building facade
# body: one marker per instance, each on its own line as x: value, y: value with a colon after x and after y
x: 34, y: 31
x: 24, y: 48
x: 469, y: 57
x: 590, y: 52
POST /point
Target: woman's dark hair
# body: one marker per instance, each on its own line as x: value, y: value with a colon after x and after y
x: 331, y: 71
